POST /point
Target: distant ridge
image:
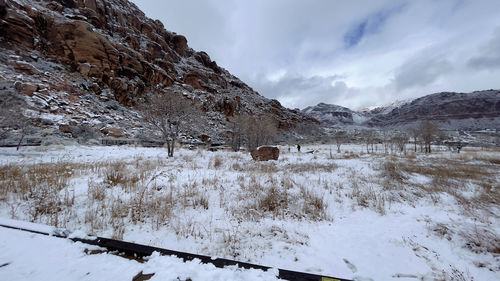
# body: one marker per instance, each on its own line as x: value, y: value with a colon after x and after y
x: 449, y: 110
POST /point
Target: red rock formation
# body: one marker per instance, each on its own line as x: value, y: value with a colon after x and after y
x: 265, y: 153
x: 97, y: 46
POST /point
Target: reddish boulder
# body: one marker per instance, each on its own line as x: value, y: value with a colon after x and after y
x: 193, y: 79
x: 265, y: 153
x: 25, y: 88
x: 65, y: 128
x: 112, y: 132
x: 205, y: 138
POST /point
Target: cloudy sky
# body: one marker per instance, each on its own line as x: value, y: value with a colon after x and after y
x: 352, y: 53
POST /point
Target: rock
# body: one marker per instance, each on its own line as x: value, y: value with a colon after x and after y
x: 25, y: 67
x: 112, y: 132
x: 205, y: 138
x: 25, y: 88
x: 180, y: 44
x: 265, y: 153
x: 83, y: 132
x: 16, y: 26
x: 203, y: 58
x: 193, y: 80
x: 65, y: 129
x: 226, y: 106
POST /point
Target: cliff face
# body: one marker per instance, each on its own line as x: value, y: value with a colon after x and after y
x: 90, y: 61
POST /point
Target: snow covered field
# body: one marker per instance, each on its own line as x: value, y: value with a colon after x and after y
x: 351, y: 214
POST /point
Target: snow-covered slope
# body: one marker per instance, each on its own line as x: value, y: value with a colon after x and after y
x: 352, y: 215
x: 384, y: 109
x: 476, y: 110
x: 464, y: 111
x: 334, y: 115
x: 28, y: 256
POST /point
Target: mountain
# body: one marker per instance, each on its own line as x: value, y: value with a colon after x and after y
x: 448, y: 110
x: 384, y: 109
x: 84, y: 65
x: 335, y: 115
x: 466, y: 111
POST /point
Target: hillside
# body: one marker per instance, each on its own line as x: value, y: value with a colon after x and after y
x: 333, y: 115
x: 452, y: 111
x: 466, y: 111
x: 83, y: 65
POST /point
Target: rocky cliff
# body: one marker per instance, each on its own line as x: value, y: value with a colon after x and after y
x: 452, y: 111
x: 89, y: 63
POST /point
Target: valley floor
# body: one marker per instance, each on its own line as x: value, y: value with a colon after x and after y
x: 351, y: 214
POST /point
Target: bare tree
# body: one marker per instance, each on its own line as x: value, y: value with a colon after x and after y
x: 385, y: 137
x: 260, y: 131
x: 415, y: 134
x: 340, y: 137
x: 168, y: 114
x: 428, y: 132
x: 369, y: 138
x: 237, y: 126
x: 400, y: 140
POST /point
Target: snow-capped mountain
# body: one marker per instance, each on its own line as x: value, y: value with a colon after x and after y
x: 465, y: 111
x: 335, y: 115
x: 384, y: 109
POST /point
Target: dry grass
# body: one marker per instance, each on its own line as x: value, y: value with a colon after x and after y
x: 314, y: 207
x: 310, y: 167
x: 480, y: 156
x: 96, y: 191
x: 126, y: 176
x: 22, y: 180
x: 164, y: 194
x: 449, y: 176
x: 392, y: 172
x: 480, y: 239
x: 274, y: 200
x: 350, y: 155
x: 216, y: 162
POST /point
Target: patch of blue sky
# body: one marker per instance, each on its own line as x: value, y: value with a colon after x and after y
x: 369, y: 25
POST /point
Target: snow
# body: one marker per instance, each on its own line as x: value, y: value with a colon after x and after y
x: 359, y: 119
x: 28, y: 256
x: 355, y: 241
x: 27, y: 225
x: 387, y: 108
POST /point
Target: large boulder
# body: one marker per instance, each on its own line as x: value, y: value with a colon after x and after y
x: 265, y: 153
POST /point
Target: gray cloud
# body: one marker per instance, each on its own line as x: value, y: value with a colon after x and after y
x: 489, y: 57
x: 290, y: 90
x: 421, y: 71
x: 380, y: 48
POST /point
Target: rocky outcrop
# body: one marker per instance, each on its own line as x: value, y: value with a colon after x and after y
x: 109, y: 50
x: 265, y: 153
